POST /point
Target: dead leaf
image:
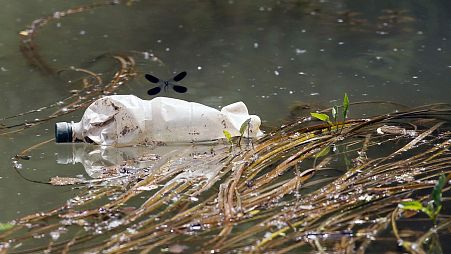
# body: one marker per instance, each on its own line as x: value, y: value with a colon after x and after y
x: 61, y: 181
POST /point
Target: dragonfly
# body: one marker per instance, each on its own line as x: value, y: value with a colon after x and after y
x: 166, y: 83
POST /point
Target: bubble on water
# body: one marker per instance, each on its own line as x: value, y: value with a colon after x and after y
x: 55, y: 235
x: 341, y: 43
x: 314, y: 94
x: 195, y: 227
x: 255, y: 45
x: 302, y: 73
x: 300, y: 51
x: 276, y: 73
x: 291, y: 92
x: 114, y: 224
x: 17, y: 165
x: 57, y: 15
x: 199, y: 67
x: 82, y: 32
x: 168, y: 49
x: 3, y: 68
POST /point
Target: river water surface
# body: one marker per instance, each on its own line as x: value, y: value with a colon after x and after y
x: 271, y: 55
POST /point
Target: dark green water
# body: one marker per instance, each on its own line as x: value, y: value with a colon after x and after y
x: 269, y: 54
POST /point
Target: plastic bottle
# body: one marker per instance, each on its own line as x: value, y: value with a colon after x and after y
x: 128, y: 120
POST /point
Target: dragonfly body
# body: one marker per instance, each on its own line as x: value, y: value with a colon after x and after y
x: 164, y: 84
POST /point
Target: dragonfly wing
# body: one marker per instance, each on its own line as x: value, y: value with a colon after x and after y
x: 179, y: 76
x: 152, y: 79
x: 154, y: 90
x: 179, y: 89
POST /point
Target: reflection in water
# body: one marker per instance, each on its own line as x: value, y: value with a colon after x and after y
x: 198, y: 161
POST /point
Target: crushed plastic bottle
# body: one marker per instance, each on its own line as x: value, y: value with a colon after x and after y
x: 129, y: 120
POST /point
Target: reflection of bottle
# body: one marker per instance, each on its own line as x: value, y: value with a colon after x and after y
x: 127, y: 120
x: 108, y: 161
x: 101, y: 162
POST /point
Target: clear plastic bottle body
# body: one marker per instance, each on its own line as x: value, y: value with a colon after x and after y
x: 128, y: 120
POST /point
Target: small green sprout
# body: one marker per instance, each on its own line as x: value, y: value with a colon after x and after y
x: 243, y: 128
x: 325, y: 118
x: 322, y: 117
x: 228, y: 136
x: 434, y: 205
x: 345, y: 106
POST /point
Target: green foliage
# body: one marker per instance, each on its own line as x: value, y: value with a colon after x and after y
x: 411, y: 205
x: 244, y: 126
x: 5, y: 226
x: 436, y: 194
x: 228, y: 136
x: 322, y: 117
x: 334, y: 111
x: 434, y: 205
x: 345, y: 106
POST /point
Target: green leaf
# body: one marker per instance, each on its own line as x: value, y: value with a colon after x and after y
x: 228, y: 136
x: 411, y: 205
x: 323, y: 152
x: 436, y: 194
x: 5, y: 226
x: 345, y: 106
x: 244, y: 126
x: 321, y: 116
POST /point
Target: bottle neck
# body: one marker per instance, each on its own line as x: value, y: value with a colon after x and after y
x: 77, y: 132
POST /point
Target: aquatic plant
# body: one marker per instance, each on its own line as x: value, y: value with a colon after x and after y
x: 434, y: 205
x: 301, y: 187
x: 334, y: 110
x: 290, y: 192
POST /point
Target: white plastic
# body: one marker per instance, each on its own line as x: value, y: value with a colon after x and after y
x: 127, y: 120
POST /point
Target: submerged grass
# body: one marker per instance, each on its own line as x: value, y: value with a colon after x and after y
x: 276, y: 195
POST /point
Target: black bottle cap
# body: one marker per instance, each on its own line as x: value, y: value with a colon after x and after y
x: 63, y: 132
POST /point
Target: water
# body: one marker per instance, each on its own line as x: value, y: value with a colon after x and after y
x: 269, y: 54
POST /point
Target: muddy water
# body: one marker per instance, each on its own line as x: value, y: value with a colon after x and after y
x: 269, y: 54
